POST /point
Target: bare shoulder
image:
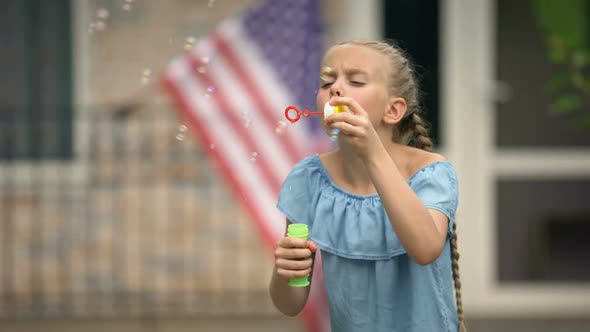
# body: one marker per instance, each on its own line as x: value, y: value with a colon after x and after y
x: 419, y: 158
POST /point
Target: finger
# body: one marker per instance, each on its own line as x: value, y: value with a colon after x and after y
x: 348, y: 129
x: 293, y: 274
x: 312, y: 246
x: 348, y: 117
x: 293, y: 253
x: 292, y: 242
x: 290, y: 264
x: 350, y: 104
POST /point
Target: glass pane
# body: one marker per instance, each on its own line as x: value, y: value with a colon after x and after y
x: 417, y: 32
x: 35, y: 97
x: 543, y: 226
x: 524, y: 118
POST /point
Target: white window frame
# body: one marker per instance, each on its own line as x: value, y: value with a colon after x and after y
x: 468, y: 65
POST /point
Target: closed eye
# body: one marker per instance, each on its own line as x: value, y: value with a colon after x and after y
x: 357, y: 83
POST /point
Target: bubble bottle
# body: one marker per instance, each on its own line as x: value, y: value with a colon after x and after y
x: 299, y: 231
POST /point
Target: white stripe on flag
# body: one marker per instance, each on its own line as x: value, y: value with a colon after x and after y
x: 239, y: 101
x: 234, y: 154
x: 275, y: 94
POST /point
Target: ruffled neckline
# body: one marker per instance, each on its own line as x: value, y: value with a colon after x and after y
x: 316, y: 159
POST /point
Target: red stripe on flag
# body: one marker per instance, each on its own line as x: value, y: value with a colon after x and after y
x: 221, y: 99
x: 254, y: 92
x: 198, y: 127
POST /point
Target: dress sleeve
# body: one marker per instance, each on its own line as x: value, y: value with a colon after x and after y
x: 295, y: 195
x: 436, y: 186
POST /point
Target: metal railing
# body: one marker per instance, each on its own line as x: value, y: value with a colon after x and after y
x: 137, y: 222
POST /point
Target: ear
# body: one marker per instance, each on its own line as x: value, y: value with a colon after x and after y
x: 396, y: 110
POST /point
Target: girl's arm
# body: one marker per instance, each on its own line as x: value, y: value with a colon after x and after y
x: 421, y: 231
x: 293, y: 258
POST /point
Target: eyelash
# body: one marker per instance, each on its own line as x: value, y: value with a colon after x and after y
x: 354, y: 83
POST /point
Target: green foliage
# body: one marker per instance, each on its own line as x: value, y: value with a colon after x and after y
x: 566, y: 103
x: 566, y: 26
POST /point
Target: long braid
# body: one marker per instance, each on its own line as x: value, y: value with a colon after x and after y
x: 456, y: 279
x: 419, y: 134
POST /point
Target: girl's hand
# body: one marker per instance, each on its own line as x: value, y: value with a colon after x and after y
x: 293, y: 257
x: 355, y: 127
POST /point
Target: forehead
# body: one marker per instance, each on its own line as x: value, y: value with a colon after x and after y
x: 346, y: 57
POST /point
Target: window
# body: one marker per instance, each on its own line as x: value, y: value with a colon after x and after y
x: 417, y: 32
x: 36, y: 80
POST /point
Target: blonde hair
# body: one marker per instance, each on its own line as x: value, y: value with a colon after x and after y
x: 413, y: 129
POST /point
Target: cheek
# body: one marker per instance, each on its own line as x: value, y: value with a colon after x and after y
x: 322, y: 97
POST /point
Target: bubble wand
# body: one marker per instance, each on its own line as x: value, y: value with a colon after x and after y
x: 328, y: 110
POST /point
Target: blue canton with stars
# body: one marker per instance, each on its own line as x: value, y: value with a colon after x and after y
x: 289, y: 33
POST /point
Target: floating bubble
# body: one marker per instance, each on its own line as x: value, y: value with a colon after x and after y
x: 205, y: 60
x: 126, y: 7
x: 334, y: 134
x: 182, y: 128
x: 280, y: 127
x: 211, y: 89
x: 189, y: 42
x: 146, y: 75
x: 180, y: 137
x: 100, y: 25
x: 253, y: 156
x: 326, y: 74
x: 202, y: 69
x: 102, y: 13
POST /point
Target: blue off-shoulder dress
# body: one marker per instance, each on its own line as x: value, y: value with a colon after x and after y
x: 371, y: 283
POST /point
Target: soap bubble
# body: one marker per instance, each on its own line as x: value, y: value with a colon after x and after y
x: 146, y: 75
x: 253, y: 156
x: 280, y: 127
x: 326, y: 74
x: 102, y: 13
x: 189, y: 42
x: 100, y: 25
x: 127, y: 5
x: 334, y: 134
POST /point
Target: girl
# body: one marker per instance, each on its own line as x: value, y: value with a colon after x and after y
x: 381, y: 210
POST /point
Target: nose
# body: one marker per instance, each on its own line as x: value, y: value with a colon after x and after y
x: 336, y: 89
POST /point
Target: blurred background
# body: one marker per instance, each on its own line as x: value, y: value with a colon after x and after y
x: 113, y: 216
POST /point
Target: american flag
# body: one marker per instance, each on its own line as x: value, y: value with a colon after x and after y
x: 232, y: 89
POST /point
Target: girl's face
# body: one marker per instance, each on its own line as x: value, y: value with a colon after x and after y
x: 358, y: 72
